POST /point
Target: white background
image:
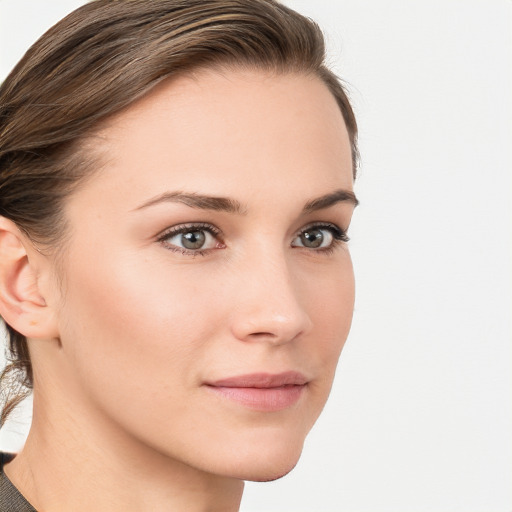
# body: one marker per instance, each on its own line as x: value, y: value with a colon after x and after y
x: 420, y: 418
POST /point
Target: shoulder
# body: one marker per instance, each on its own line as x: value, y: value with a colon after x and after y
x: 5, y: 458
x: 11, y: 500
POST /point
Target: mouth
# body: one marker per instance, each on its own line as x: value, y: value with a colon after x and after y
x: 262, y: 392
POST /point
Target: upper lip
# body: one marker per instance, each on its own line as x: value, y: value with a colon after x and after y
x: 262, y: 380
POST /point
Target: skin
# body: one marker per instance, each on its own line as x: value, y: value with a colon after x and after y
x: 128, y: 328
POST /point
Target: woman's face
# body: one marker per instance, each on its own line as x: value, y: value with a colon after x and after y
x: 207, y: 287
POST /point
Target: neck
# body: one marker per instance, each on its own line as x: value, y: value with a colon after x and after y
x: 81, y: 466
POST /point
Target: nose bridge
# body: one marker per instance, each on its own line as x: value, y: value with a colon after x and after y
x: 269, y: 304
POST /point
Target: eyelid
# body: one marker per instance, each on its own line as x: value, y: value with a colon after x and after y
x: 184, y: 228
x: 339, y: 234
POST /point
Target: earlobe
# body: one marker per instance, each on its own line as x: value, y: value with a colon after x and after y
x: 22, y: 305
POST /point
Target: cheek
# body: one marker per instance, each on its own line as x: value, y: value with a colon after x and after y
x: 136, y: 338
x: 331, y: 306
x: 135, y: 323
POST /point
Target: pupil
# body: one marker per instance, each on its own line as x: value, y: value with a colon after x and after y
x: 313, y: 238
x: 193, y: 239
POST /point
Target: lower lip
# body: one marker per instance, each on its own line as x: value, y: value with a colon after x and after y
x: 262, y: 399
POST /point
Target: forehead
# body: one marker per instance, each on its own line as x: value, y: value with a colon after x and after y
x: 227, y: 132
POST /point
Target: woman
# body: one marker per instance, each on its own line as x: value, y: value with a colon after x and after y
x: 176, y: 184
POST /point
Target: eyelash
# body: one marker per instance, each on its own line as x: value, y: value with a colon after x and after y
x: 186, y: 228
x: 339, y: 237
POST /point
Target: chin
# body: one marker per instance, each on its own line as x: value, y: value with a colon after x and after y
x: 267, y: 464
x: 264, y: 473
x: 271, y: 475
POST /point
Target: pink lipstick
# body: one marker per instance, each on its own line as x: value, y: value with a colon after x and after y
x: 262, y: 391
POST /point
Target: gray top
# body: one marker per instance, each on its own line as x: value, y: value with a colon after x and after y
x: 11, y: 500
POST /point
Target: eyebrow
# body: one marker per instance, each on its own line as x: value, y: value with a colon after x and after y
x: 225, y: 204
x: 338, y: 196
x: 201, y: 202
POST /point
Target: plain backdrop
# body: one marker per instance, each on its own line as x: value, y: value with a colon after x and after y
x: 420, y: 417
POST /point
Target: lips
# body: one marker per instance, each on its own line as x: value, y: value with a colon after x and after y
x: 262, y: 391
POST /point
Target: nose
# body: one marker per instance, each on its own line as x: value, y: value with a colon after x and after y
x: 268, y: 303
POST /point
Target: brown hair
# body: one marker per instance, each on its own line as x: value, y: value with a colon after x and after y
x: 97, y: 61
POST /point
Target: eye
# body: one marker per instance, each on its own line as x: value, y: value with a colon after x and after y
x: 191, y: 238
x: 320, y: 236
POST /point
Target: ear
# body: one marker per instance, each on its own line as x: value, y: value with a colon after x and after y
x: 22, y: 305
